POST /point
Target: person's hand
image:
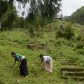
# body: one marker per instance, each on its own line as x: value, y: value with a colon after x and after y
x: 12, y: 65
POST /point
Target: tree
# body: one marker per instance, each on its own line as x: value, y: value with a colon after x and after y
x: 78, y: 16
x: 41, y: 11
x: 7, y: 19
x: 46, y: 8
x: 3, y: 8
x: 7, y: 14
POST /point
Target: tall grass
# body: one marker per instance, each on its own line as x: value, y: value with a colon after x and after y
x: 59, y: 48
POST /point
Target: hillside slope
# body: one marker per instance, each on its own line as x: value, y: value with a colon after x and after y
x: 78, y: 16
x: 60, y: 49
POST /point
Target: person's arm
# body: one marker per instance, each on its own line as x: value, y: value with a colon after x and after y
x: 13, y: 63
x: 19, y: 63
x: 41, y: 60
x: 42, y: 63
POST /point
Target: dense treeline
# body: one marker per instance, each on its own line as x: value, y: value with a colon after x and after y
x: 40, y: 13
x: 7, y: 14
x: 78, y: 16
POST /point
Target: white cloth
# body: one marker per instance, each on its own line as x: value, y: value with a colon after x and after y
x: 47, y: 58
x: 23, y: 57
x: 48, y: 66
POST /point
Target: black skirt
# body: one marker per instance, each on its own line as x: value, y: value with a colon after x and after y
x: 23, y: 68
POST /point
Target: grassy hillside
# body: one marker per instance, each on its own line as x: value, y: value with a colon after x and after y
x: 77, y: 16
x: 60, y: 49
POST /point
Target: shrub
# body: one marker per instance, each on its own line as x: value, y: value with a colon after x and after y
x: 7, y: 20
x: 19, y: 22
x: 81, y: 51
x: 80, y: 45
x: 61, y: 41
x: 80, y: 36
x: 60, y: 33
x: 31, y: 31
x: 67, y: 33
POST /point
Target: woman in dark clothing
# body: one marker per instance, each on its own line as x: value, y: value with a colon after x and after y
x: 23, y: 63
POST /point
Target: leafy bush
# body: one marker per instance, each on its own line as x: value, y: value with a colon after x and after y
x: 60, y: 33
x: 80, y: 39
x: 80, y: 45
x: 81, y: 51
x: 67, y: 33
x: 80, y: 36
x: 19, y: 22
x: 3, y: 7
x: 78, y: 16
x: 7, y: 20
x: 60, y: 42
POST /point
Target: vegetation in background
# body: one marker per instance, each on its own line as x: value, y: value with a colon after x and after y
x: 78, y: 16
x: 41, y: 12
x: 35, y: 35
x: 20, y: 41
x: 66, y: 32
x: 3, y: 7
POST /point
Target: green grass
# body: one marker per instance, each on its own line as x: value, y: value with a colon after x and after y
x: 17, y: 40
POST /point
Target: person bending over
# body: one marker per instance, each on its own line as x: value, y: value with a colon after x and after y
x: 47, y: 63
x: 22, y: 63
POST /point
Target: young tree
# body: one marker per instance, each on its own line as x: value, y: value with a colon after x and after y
x: 46, y: 8
x: 3, y: 7
x: 7, y: 14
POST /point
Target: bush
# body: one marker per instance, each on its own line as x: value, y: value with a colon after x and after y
x: 78, y: 38
x: 60, y: 33
x: 67, y: 33
x: 7, y: 20
x: 81, y: 35
x: 19, y: 22
x: 81, y: 51
x: 80, y: 45
x: 60, y: 42
x: 31, y: 30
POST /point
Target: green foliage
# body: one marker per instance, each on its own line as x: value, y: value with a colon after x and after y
x: 18, y: 39
x: 11, y: 2
x: 45, y: 8
x: 7, y: 19
x: 69, y: 32
x: 31, y: 31
x: 80, y: 39
x: 19, y: 22
x: 66, y: 33
x: 80, y: 45
x: 41, y: 12
x: 78, y: 16
x: 3, y: 7
x: 39, y: 21
x: 35, y: 24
